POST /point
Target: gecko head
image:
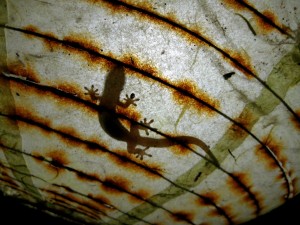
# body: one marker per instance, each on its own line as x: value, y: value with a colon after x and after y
x: 114, y: 83
x: 115, y: 80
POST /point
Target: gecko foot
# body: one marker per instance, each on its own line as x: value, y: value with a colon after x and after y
x: 130, y: 100
x: 145, y: 125
x: 93, y: 93
x: 141, y: 152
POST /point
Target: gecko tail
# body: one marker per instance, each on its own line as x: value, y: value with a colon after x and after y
x: 196, y: 141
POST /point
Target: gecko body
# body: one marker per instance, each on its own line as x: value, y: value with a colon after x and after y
x: 111, y: 124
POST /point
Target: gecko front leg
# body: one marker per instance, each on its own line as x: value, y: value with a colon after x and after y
x: 129, y: 100
x: 93, y: 93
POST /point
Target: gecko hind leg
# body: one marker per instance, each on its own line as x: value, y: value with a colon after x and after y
x: 146, y: 125
x: 141, y: 152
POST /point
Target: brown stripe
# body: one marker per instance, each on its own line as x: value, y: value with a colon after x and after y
x: 240, y: 187
x: 267, y: 18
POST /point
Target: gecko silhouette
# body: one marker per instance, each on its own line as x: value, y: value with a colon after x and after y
x: 111, y: 124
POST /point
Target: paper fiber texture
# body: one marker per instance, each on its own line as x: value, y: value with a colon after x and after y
x: 150, y: 112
